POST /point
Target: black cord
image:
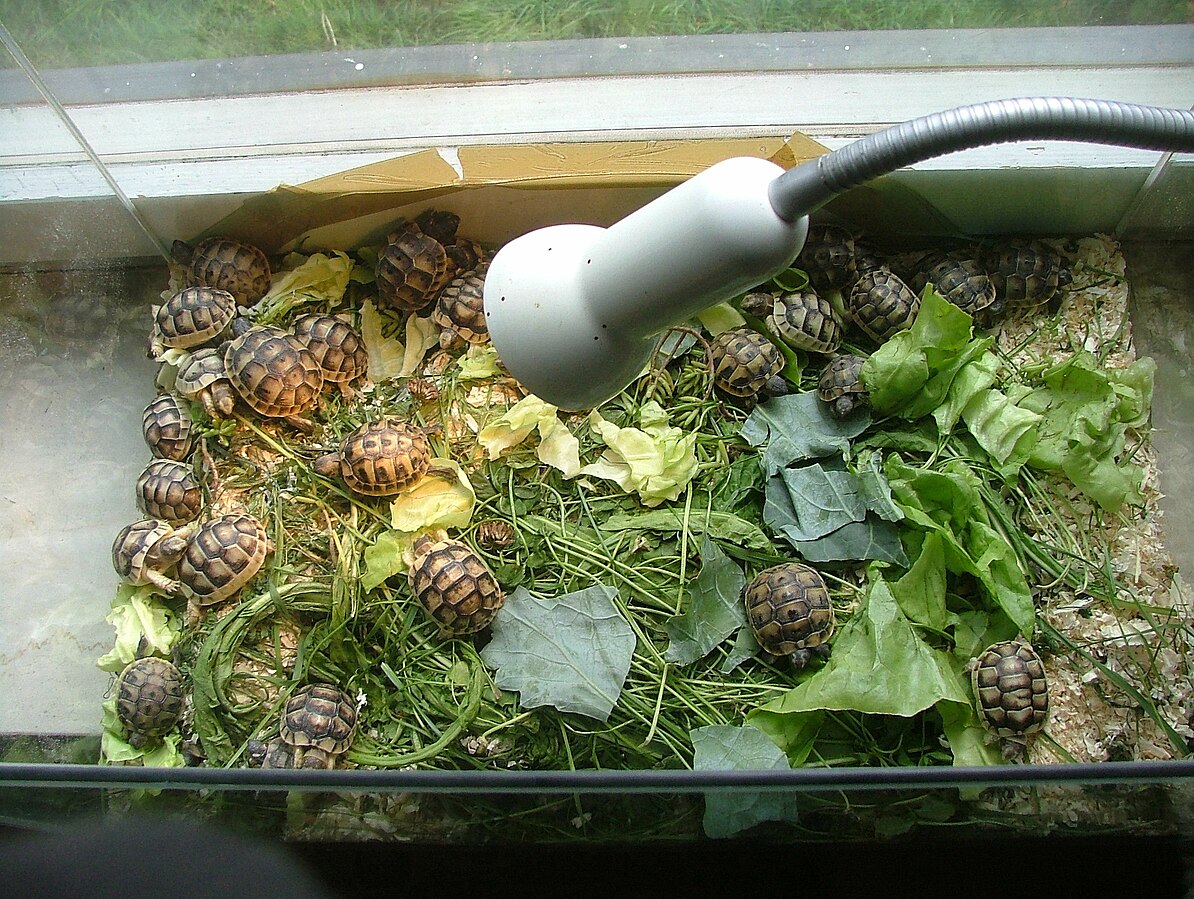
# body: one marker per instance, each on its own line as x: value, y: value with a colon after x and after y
x: 809, y: 186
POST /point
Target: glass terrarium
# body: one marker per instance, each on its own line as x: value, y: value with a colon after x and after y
x: 1009, y: 471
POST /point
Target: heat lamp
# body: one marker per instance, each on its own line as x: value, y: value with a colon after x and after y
x: 575, y: 311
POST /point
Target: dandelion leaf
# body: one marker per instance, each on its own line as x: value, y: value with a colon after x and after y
x: 571, y: 652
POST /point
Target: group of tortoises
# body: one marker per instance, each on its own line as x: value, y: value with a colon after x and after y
x: 225, y: 362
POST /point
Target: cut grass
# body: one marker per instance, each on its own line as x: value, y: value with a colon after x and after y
x: 69, y: 33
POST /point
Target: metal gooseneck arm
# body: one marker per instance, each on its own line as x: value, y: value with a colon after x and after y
x: 807, y: 187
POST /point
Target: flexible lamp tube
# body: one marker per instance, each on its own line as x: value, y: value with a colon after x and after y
x: 575, y: 311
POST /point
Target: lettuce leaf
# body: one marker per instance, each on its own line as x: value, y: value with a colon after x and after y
x: 656, y: 461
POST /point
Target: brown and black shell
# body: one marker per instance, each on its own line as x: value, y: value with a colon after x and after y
x: 145, y: 550
x: 961, y: 279
x: 274, y: 372
x: 460, y: 312
x: 149, y: 699
x: 379, y: 458
x: 841, y: 386
x: 192, y: 317
x: 168, y: 490
x: 454, y: 585
x: 1027, y: 273
x: 1010, y: 688
x: 790, y: 612
x: 202, y: 376
x: 804, y: 320
x: 166, y: 425
x: 746, y: 364
x: 224, y: 554
x: 239, y: 268
x: 828, y: 258
x: 412, y: 268
x: 882, y: 305
x: 337, y: 347
x: 321, y: 717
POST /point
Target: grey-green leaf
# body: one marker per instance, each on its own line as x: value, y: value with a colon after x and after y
x: 798, y: 427
x: 572, y: 651
x: 714, y: 610
x: 871, y: 539
x: 721, y: 748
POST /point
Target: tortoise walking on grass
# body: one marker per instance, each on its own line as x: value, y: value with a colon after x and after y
x: 1008, y: 680
x: 202, y: 377
x: 790, y: 612
x: 337, y: 348
x: 379, y: 458
x: 275, y: 373
x: 747, y: 365
x: 221, y: 557
x: 318, y: 724
x: 454, y: 585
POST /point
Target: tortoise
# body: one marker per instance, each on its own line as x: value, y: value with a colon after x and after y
x: 337, y: 347
x: 192, y: 317
x: 379, y: 458
x: 454, y: 585
x: 747, y: 365
x: 460, y: 313
x: 882, y: 305
x: 201, y: 376
x: 239, y: 268
x: 319, y: 721
x: 495, y: 533
x: 422, y: 391
x: 841, y: 385
x: 168, y: 490
x: 275, y: 753
x: 464, y: 256
x: 166, y: 425
x: 145, y: 550
x: 960, y: 279
x: 1008, y: 680
x: 149, y: 697
x: 1027, y: 274
x: 803, y: 319
x: 275, y: 373
x: 412, y: 267
x: 222, y: 556
x: 439, y: 224
x: 828, y: 258
x: 790, y: 612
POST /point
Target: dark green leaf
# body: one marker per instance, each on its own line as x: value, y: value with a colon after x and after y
x: 798, y: 427
x: 715, y: 608
x: 921, y: 591
x: 871, y: 539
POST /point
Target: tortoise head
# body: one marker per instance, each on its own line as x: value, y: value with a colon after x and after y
x: 329, y: 465
x: 758, y: 303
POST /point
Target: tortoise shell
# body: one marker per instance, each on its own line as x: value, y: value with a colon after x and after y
x: 337, y: 348
x: 223, y: 555
x: 789, y: 610
x: 274, y: 372
x: 454, y: 585
x: 1010, y: 688
x: 149, y: 696
x: 166, y: 426
x: 144, y: 550
x: 746, y: 364
x: 202, y: 376
x: 828, y: 258
x: 190, y: 318
x: 961, y: 280
x: 803, y: 320
x: 412, y: 268
x: 239, y: 268
x: 168, y: 490
x: 464, y: 256
x: 496, y: 534
x: 460, y: 313
x: 379, y: 458
x: 841, y: 385
x: 1027, y: 273
x: 882, y: 305
x: 321, y: 717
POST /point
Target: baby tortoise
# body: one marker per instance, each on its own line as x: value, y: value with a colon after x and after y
x: 747, y: 365
x: 828, y: 258
x: 145, y: 550
x: 1009, y: 686
x: 166, y: 425
x: 460, y: 313
x: 1027, y: 274
x: 221, y: 557
x: 149, y: 695
x: 337, y: 347
x: 239, y: 268
x: 168, y: 490
x: 191, y: 318
x: 882, y: 305
x: 454, y: 585
x: 202, y: 376
x: 318, y: 723
x: 789, y: 610
x: 275, y: 373
x: 412, y: 268
x: 841, y: 385
x: 379, y: 458
x: 803, y: 320
x: 495, y: 533
x: 958, y: 278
